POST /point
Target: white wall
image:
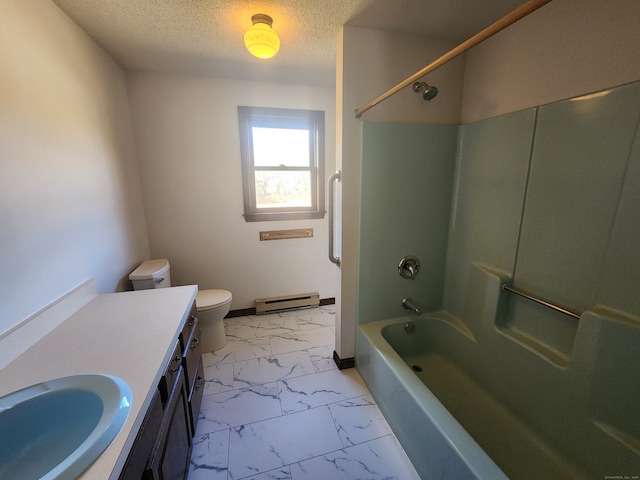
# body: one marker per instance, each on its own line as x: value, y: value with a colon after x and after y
x: 369, y: 63
x: 70, y: 203
x: 564, y: 49
x: 187, y: 134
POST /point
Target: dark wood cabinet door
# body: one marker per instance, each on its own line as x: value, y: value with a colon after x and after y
x: 170, y: 375
x: 195, y: 398
x: 188, y: 326
x: 170, y: 460
x: 191, y: 356
x: 145, y: 441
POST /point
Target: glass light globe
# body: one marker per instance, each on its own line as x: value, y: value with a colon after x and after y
x: 261, y: 40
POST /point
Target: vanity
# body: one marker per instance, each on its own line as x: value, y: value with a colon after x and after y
x: 149, y: 339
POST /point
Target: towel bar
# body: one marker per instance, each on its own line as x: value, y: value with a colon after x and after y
x: 541, y: 302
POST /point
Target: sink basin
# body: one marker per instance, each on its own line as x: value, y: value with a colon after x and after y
x: 56, y: 429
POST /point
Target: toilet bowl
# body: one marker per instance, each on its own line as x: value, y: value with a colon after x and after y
x: 212, y: 305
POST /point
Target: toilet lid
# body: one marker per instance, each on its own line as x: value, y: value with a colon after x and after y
x: 150, y: 270
x: 208, y: 299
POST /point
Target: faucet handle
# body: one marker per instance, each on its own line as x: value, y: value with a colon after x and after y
x: 408, y: 267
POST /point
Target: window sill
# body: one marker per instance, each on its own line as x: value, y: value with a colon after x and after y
x: 266, y: 217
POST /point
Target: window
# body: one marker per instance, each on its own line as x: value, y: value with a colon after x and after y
x: 282, y: 163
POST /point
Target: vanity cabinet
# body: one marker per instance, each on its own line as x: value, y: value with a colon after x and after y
x: 162, y: 448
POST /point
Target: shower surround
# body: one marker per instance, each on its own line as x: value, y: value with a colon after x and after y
x: 544, y: 200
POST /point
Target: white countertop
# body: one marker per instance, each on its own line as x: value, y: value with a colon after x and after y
x: 130, y: 335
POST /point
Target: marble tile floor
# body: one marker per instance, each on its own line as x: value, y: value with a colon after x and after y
x: 275, y: 406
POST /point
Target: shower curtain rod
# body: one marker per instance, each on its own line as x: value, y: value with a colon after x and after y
x: 491, y: 30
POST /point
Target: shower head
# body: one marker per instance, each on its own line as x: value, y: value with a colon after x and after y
x: 428, y: 91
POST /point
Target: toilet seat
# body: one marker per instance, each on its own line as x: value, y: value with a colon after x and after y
x: 213, y: 298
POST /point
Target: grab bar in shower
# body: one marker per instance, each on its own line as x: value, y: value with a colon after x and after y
x: 336, y: 177
x: 541, y: 302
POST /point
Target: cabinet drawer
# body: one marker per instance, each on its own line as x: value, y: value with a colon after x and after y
x: 191, y: 357
x: 168, y: 380
x: 195, y: 399
x: 185, y: 334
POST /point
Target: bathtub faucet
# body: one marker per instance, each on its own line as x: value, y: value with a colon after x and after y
x: 407, y: 303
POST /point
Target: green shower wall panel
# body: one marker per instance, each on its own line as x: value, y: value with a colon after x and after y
x: 580, y: 155
x: 491, y: 175
x: 620, y: 283
x: 551, y: 197
x: 407, y: 175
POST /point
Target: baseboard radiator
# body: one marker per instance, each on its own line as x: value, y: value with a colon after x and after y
x: 286, y: 302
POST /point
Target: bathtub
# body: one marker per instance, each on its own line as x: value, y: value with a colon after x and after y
x: 421, y: 372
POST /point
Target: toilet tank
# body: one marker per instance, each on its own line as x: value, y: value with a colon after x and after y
x: 151, y: 274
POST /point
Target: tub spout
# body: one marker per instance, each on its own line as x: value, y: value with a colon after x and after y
x: 408, y: 304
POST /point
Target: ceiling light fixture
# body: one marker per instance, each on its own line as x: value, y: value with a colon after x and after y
x: 260, y: 39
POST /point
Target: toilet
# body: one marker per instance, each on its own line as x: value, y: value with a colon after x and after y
x: 212, y: 305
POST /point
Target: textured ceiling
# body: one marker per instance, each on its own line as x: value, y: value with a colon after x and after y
x: 204, y: 37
